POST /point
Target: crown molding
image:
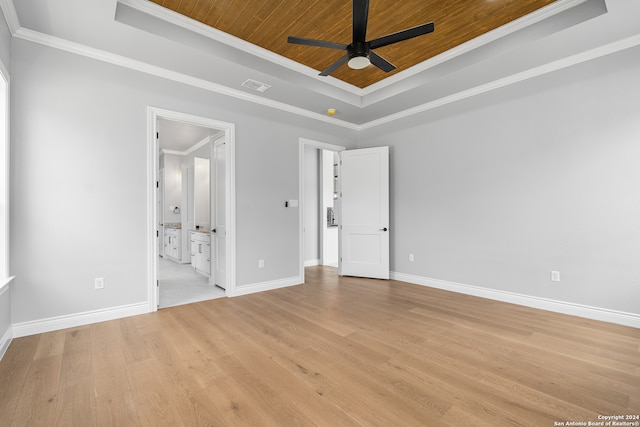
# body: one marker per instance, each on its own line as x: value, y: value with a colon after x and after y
x: 191, y: 149
x: 531, y: 73
x: 199, y: 144
x: 174, y: 152
x: 10, y: 15
x: 133, y: 64
x: 190, y: 24
x: 101, y: 55
x: 486, y: 38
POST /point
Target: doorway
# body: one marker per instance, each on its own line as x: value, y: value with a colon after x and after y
x: 318, y: 232
x: 186, y: 152
x: 362, y: 210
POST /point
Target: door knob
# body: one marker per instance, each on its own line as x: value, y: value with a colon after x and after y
x: 383, y: 229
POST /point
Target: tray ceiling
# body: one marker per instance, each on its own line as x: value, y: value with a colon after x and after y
x: 268, y: 23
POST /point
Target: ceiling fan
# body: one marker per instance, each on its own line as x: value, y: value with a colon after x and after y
x: 360, y: 52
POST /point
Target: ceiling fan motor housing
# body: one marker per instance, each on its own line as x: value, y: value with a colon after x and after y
x: 358, y: 49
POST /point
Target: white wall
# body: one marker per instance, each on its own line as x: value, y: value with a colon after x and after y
x: 172, y: 187
x: 79, y: 180
x: 5, y: 294
x: 203, y: 152
x: 187, y: 211
x: 494, y: 191
x: 498, y: 190
x: 311, y: 206
x: 202, y: 192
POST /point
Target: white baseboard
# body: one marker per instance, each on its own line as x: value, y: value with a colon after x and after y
x: 588, y: 312
x: 39, y: 326
x: 311, y: 262
x: 5, y: 341
x: 267, y: 286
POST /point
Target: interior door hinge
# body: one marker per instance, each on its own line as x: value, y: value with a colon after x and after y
x: 157, y: 135
x: 157, y: 233
x: 157, y: 184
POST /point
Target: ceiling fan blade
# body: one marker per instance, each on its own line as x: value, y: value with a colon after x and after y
x: 360, y: 18
x: 402, y: 35
x: 380, y: 62
x: 335, y: 65
x: 312, y: 42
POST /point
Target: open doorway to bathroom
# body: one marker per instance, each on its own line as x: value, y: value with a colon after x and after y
x: 192, y: 259
x: 184, y: 220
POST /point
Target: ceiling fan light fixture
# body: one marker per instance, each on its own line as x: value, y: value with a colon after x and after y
x: 359, y: 62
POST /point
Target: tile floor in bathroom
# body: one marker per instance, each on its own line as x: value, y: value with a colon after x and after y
x: 181, y: 284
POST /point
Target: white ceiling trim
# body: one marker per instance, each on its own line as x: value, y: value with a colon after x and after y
x: 190, y: 24
x: 486, y: 38
x: 108, y: 57
x: 550, y: 67
x: 191, y: 149
x: 119, y: 60
x: 112, y: 58
x: 10, y: 15
x: 198, y: 27
x: 175, y: 152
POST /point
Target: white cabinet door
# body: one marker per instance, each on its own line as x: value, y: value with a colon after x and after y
x: 172, y: 243
x: 193, y: 246
x: 206, y: 258
x: 167, y: 242
x: 176, y: 247
x: 364, y: 231
x: 202, y: 253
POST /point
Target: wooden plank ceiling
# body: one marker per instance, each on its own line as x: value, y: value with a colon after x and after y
x: 268, y: 23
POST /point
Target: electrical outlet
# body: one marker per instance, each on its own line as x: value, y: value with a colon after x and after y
x: 260, y: 263
x: 411, y: 257
x: 99, y: 282
x: 555, y: 276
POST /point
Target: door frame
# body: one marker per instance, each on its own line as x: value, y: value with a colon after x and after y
x: 153, y: 115
x: 302, y: 144
x: 213, y: 206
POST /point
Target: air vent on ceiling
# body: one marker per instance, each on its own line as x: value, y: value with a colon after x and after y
x: 256, y: 85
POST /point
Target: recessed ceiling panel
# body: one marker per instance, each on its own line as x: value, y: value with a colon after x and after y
x: 268, y: 23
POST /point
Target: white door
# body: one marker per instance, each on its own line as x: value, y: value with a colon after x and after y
x: 160, y: 211
x: 364, y: 222
x: 219, y: 230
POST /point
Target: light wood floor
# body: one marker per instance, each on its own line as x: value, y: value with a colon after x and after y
x: 331, y: 352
